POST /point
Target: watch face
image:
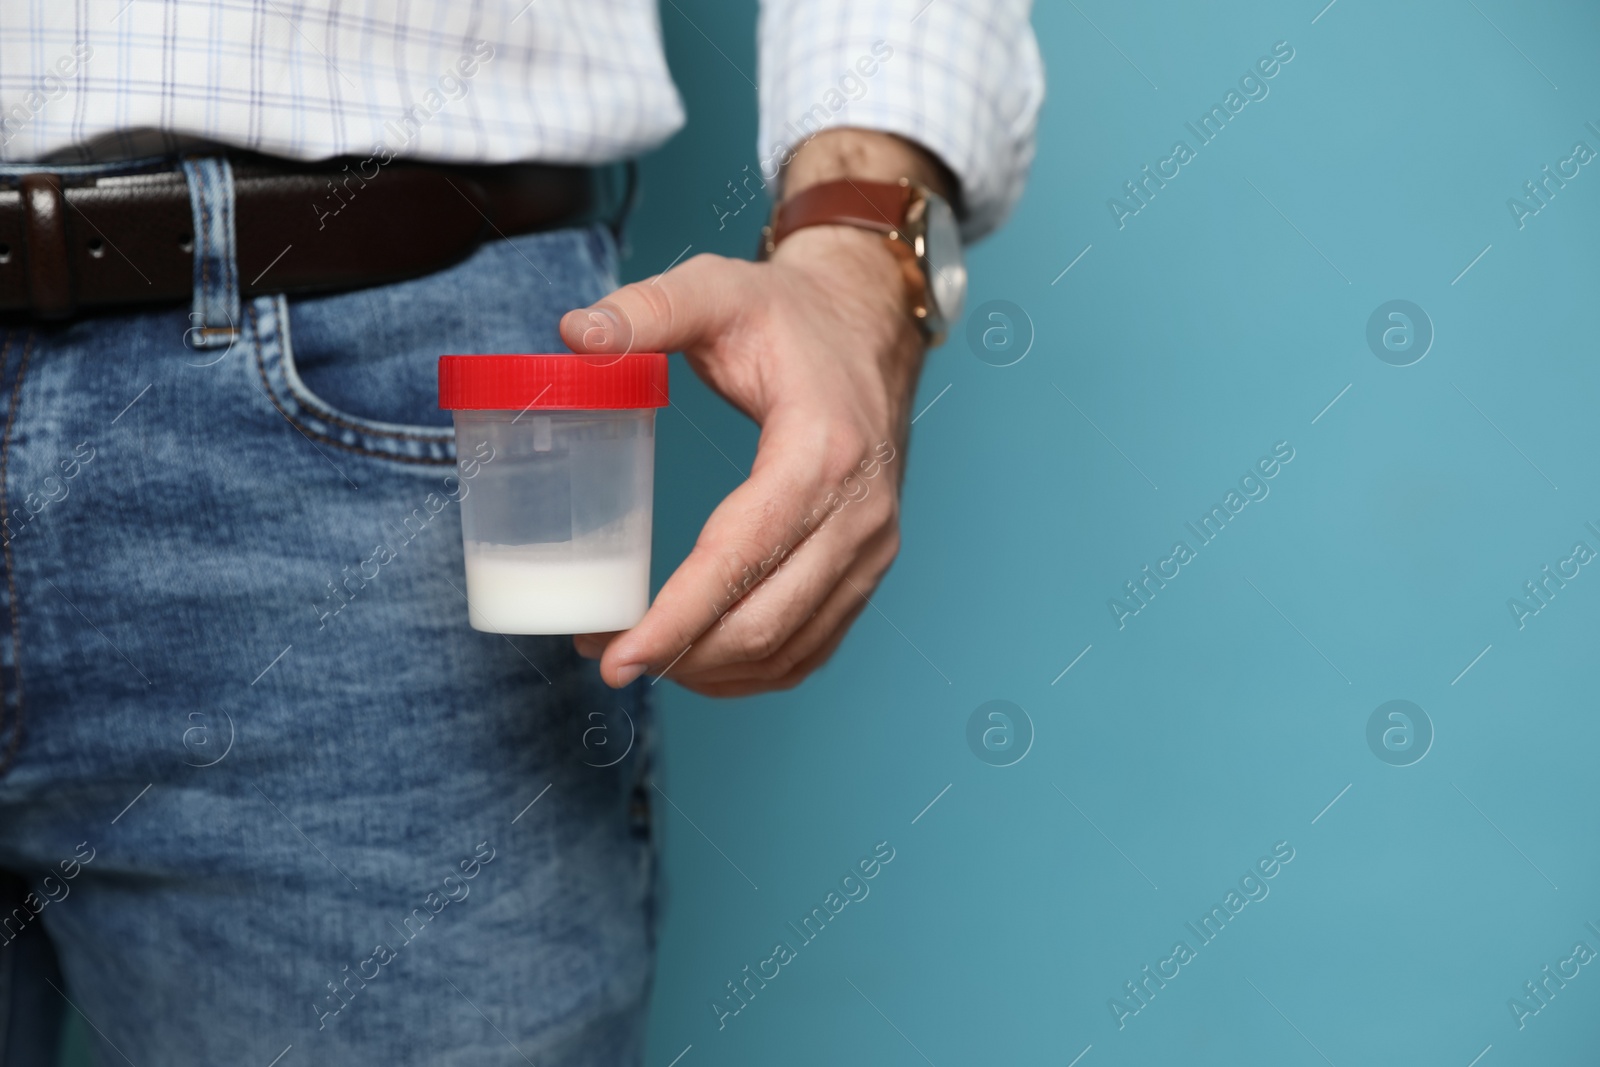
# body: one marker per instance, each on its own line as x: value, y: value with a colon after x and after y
x: 947, y: 280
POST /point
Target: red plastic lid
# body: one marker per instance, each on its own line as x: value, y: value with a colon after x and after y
x: 563, y: 381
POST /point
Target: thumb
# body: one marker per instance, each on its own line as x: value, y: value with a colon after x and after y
x: 672, y: 312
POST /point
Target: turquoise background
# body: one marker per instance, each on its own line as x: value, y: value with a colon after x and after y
x: 1231, y: 711
x: 1210, y: 728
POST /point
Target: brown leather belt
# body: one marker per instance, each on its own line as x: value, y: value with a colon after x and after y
x: 73, y: 243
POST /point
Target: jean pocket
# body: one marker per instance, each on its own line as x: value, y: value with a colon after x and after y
x: 380, y: 401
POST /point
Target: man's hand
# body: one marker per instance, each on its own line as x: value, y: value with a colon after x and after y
x: 817, y: 346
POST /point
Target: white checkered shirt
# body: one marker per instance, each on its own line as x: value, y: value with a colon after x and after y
x: 571, y: 81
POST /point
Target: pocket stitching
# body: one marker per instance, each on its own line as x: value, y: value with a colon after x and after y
x: 320, y: 408
x: 255, y: 329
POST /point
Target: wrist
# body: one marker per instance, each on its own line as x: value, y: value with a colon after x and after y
x: 866, y: 155
x: 857, y: 262
x: 881, y: 183
x: 855, y: 274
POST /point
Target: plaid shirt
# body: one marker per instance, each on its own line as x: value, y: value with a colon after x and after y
x: 575, y: 81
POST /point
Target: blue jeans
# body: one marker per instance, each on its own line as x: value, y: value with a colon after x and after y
x: 264, y: 792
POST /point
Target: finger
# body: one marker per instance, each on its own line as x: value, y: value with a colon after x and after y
x: 793, y: 677
x: 733, y: 633
x: 821, y: 633
x: 780, y: 605
x: 690, y: 304
x: 845, y: 599
x: 592, y: 646
x: 738, y: 542
x: 844, y: 607
x: 783, y: 671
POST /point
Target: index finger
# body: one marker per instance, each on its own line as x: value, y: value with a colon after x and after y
x: 746, y: 536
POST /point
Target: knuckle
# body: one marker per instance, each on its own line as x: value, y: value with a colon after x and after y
x: 889, y: 514
x: 837, y: 450
x: 891, y: 545
x: 788, y: 681
x: 738, y: 563
x: 841, y: 447
x: 758, y: 640
x: 779, y: 664
x: 654, y: 301
x: 706, y: 260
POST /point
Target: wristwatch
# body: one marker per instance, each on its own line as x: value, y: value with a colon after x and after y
x: 918, y: 224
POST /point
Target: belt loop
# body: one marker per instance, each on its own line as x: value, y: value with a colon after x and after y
x: 44, y: 227
x: 214, y: 322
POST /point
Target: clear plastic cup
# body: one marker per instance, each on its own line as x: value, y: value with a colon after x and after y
x: 556, y: 454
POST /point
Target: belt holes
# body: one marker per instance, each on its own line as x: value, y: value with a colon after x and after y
x: 186, y: 243
x: 5, y: 253
x: 97, y: 247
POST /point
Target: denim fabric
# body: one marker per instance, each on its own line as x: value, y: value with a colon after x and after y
x: 270, y: 794
x: 215, y: 319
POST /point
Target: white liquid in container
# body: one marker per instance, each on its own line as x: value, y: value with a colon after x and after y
x: 546, y: 589
x: 556, y: 528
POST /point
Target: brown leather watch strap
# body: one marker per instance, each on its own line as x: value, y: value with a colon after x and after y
x: 879, y: 206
